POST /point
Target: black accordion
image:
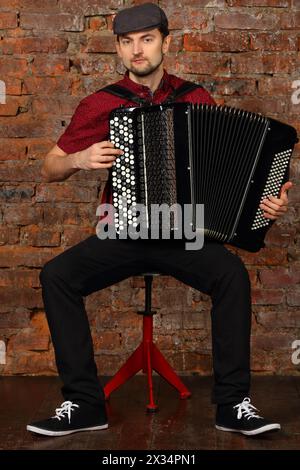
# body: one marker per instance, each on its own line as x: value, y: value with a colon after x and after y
x: 225, y: 158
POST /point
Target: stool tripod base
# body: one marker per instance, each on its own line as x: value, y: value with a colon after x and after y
x: 147, y: 357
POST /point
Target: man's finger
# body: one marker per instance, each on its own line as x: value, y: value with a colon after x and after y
x: 285, y: 187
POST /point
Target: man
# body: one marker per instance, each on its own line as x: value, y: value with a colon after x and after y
x: 142, y: 41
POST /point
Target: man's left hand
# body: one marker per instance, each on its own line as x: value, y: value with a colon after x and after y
x: 275, y: 207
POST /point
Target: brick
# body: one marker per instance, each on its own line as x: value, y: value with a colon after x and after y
x: 20, y: 171
x: 294, y: 195
x: 278, y: 41
x: 279, y: 319
x: 274, y: 86
x: 176, y: 44
x: 200, y: 364
x: 12, y: 149
x: 8, y: 20
x: 87, y: 84
x: 47, y: 85
x: 93, y: 7
x: 106, y: 341
x: 164, y: 342
x: 267, y: 296
x: 192, y: 3
x: 99, y: 64
x: 25, y: 125
x: 250, y: 63
x: 13, y: 67
x: 14, y: 105
x: 279, y: 277
x: 68, y: 213
x: 25, y: 256
x: 170, y: 321
x: 16, y: 194
x: 268, y: 342
x: 260, y: 361
x: 73, y: 235
x: 96, y: 23
x: 109, y: 363
x: 280, y: 236
x: 20, y: 277
x: 227, y: 86
x: 100, y: 43
x: 238, y: 20
x: 26, y: 297
x: 53, y: 45
x: 53, y: 65
x: 217, y: 41
x: 195, y: 320
x: 9, y: 236
x: 49, y: 22
x: 17, y: 318
x: 22, y: 214
x: 38, y: 148
x: 59, y: 105
x: 259, y: 3
x: 267, y: 256
x: 295, y: 169
x: 65, y: 191
x: 293, y: 297
x: 13, y: 85
x: 8, y: 4
x: 35, y: 235
x: 290, y: 20
x: 29, y: 363
x: 259, y: 105
x: 204, y: 63
x: 180, y: 17
x: 36, y: 5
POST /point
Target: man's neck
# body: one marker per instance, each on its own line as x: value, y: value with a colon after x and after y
x: 152, y: 81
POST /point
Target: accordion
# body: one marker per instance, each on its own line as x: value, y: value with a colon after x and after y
x: 224, y: 158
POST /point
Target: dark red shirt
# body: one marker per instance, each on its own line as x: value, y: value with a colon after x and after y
x: 90, y: 121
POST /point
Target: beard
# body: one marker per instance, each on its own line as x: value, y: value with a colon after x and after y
x: 147, y: 68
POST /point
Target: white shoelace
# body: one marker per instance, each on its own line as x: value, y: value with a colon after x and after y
x: 65, y: 408
x: 246, y: 410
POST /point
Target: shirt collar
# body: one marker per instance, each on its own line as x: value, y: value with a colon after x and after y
x: 164, y: 85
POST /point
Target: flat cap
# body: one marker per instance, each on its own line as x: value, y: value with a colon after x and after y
x: 140, y: 17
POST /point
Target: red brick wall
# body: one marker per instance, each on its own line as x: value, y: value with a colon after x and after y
x: 53, y: 53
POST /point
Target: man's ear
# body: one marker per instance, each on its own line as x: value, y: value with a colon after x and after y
x: 166, y: 43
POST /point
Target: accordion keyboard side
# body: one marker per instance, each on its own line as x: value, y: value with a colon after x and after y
x: 271, y: 172
x: 126, y: 180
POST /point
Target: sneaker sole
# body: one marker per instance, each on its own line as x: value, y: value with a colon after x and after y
x: 45, y: 432
x: 267, y: 428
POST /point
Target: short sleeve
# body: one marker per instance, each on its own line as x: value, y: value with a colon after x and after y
x: 87, y: 127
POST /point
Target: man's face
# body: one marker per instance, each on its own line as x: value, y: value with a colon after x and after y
x: 142, y: 52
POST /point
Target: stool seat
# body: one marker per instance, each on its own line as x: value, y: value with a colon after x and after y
x: 147, y: 356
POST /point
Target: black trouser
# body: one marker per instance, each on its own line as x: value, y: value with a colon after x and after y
x: 94, y: 264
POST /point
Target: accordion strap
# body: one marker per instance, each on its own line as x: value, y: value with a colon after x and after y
x: 123, y: 92
x: 183, y: 89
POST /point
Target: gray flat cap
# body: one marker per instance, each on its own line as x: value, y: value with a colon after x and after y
x: 140, y: 17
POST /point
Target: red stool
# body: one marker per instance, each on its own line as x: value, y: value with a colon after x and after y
x: 147, y: 357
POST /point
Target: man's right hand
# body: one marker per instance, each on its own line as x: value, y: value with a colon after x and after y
x: 99, y: 155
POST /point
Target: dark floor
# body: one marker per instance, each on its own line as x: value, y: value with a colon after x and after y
x: 179, y: 424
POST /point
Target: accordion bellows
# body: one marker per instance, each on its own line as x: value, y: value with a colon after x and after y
x: 180, y: 153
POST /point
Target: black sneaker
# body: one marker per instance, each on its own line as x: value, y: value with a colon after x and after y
x: 71, y: 417
x: 242, y: 417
